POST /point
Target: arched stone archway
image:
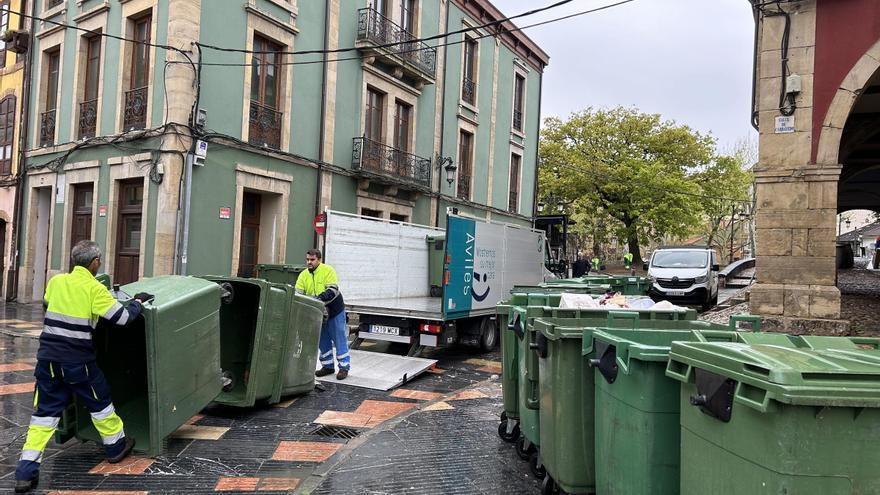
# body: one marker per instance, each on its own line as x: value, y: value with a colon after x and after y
x: 842, y: 105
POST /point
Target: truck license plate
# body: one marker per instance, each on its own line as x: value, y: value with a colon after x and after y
x: 675, y: 293
x: 384, y: 330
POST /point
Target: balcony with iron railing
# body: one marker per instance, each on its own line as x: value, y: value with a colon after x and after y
x: 464, y: 184
x: 469, y: 90
x: 380, y: 36
x: 517, y: 120
x: 88, y: 118
x: 47, y: 128
x: 393, y: 164
x: 264, y: 126
x: 135, y: 115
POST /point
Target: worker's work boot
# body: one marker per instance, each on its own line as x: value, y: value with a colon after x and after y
x: 129, y: 444
x: 324, y: 372
x: 342, y: 375
x: 24, y: 486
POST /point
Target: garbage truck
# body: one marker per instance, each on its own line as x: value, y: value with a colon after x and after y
x: 428, y: 287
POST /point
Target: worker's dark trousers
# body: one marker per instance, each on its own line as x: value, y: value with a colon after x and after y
x: 56, y: 386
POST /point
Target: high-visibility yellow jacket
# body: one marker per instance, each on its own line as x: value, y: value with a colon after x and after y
x: 322, y: 284
x: 74, y: 303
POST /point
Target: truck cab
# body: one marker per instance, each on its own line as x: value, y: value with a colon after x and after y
x: 684, y: 275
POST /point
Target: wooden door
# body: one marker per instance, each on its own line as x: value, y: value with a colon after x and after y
x: 128, y: 231
x: 249, y: 246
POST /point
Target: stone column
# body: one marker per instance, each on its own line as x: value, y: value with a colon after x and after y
x: 796, y: 199
x: 183, y: 30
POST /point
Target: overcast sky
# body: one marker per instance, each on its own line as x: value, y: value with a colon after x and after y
x: 688, y: 60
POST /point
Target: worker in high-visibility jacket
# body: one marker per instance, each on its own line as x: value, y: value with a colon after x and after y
x: 319, y: 281
x: 628, y: 260
x: 66, y: 365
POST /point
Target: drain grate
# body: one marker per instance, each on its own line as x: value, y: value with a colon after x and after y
x: 331, y: 431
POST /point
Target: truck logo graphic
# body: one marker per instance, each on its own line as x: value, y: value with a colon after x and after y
x: 481, y: 278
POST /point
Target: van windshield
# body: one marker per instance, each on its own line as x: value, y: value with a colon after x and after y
x: 680, y: 259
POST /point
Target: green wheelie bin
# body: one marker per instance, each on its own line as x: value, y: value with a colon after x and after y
x: 268, y: 340
x: 567, y: 389
x: 163, y: 367
x: 508, y: 428
x: 637, y: 405
x: 279, y: 274
x: 436, y: 263
x: 528, y: 385
x: 759, y: 419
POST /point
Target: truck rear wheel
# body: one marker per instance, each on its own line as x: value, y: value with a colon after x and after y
x: 488, y: 334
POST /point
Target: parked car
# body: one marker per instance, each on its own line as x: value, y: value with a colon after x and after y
x: 684, y: 275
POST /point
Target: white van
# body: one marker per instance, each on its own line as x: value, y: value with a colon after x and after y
x: 684, y: 275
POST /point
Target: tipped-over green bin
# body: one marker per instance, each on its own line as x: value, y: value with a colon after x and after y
x: 279, y: 274
x: 762, y: 419
x: 163, y: 367
x: 268, y: 340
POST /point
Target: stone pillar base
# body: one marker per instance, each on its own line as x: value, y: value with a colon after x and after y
x: 795, y: 301
x: 805, y: 326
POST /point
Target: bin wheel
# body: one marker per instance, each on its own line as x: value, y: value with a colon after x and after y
x: 502, y: 431
x: 549, y: 487
x: 521, y: 450
x: 537, y: 466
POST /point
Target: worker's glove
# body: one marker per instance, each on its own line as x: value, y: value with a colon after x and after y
x: 144, y: 297
x: 326, y: 314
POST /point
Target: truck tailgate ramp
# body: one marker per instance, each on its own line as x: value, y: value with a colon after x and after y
x: 380, y: 371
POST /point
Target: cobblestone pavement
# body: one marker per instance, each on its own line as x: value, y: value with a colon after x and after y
x: 859, y: 302
x: 436, y: 434
x: 860, y: 299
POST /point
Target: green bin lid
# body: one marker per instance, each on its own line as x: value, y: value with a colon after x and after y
x: 804, y: 371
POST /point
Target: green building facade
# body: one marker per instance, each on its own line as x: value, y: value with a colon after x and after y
x: 284, y: 108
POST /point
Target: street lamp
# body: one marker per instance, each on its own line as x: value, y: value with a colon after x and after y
x: 540, y: 207
x: 446, y: 164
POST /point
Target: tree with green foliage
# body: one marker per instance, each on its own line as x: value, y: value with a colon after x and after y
x: 633, y: 168
x: 724, y: 185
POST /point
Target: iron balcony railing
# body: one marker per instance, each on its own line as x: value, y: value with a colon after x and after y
x: 135, y: 116
x: 517, y: 120
x: 376, y: 157
x: 265, y: 126
x: 380, y: 30
x: 47, y: 128
x: 469, y: 90
x: 464, y: 184
x: 88, y: 118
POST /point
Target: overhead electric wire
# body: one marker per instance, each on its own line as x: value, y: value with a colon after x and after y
x: 386, y: 45
x: 439, y: 45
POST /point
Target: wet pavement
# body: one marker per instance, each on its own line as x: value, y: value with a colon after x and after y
x: 435, y: 434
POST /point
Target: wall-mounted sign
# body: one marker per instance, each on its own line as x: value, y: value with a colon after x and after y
x: 102, y: 210
x: 784, y: 124
x: 225, y: 212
